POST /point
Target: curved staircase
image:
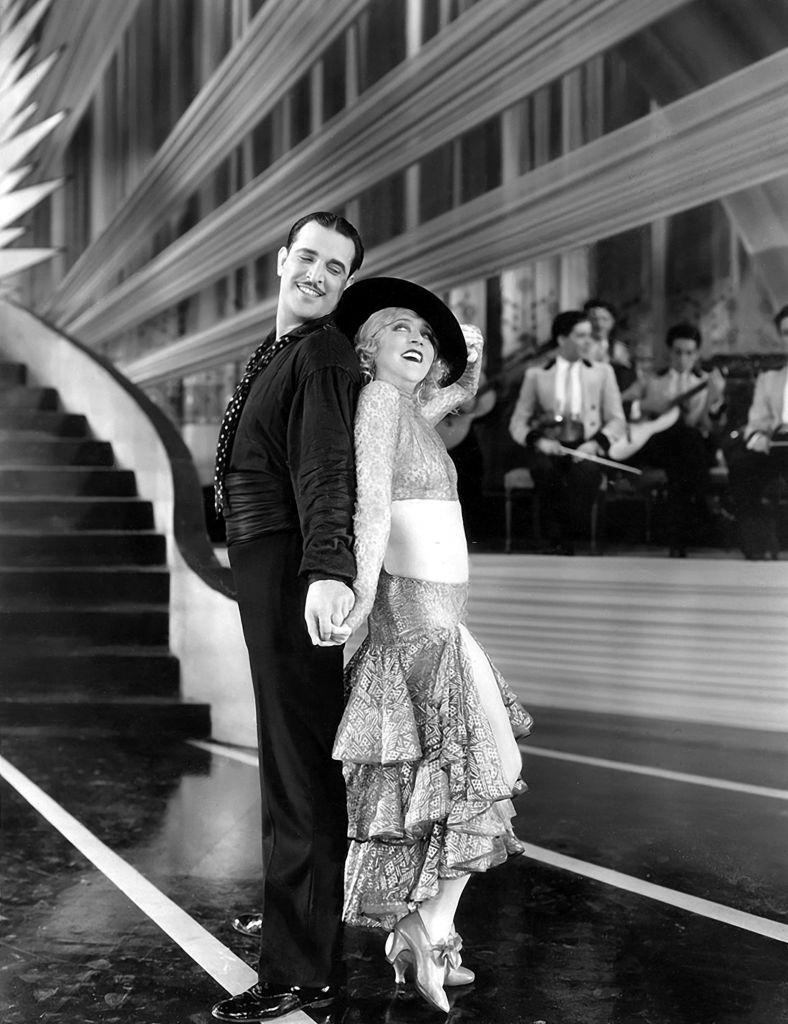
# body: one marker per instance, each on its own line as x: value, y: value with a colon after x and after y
x: 84, y: 584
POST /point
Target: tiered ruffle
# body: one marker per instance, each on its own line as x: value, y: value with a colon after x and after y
x: 427, y: 798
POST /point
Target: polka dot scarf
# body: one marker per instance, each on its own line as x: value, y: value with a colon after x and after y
x: 261, y: 357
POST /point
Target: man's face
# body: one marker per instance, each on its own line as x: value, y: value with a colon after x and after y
x: 313, y: 273
x: 683, y: 353
x: 577, y: 343
x: 783, y: 330
x: 602, y: 320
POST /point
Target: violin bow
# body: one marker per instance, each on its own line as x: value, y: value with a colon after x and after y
x: 598, y: 458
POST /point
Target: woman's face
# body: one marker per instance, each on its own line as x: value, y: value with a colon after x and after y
x: 405, y: 350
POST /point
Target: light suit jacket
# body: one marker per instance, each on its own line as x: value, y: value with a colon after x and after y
x: 766, y: 411
x: 601, y: 410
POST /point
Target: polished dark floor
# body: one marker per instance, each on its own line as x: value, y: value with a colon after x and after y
x: 548, y: 945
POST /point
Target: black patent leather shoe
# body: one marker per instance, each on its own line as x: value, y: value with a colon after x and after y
x: 250, y: 925
x: 265, y: 1001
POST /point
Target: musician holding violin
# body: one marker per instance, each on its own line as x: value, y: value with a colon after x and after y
x: 762, y: 456
x: 568, y: 406
x: 685, y: 448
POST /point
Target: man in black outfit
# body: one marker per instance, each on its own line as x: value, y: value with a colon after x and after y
x: 285, y: 482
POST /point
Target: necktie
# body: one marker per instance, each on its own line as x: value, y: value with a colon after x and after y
x: 574, y: 389
x: 561, y: 373
x: 784, y: 416
x: 260, y: 358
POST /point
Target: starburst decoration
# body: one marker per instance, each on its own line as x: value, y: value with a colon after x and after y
x: 20, y: 76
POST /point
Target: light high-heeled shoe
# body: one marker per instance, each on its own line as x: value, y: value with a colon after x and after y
x: 410, y: 943
x: 454, y: 975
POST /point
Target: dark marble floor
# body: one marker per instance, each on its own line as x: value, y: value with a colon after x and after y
x: 548, y: 945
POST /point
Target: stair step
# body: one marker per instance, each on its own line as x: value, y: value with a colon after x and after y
x: 89, y: 671
x: 29, y: 398
x: 53, y: 424
x: 87, y: 586
x: 76, y: 513
x: 67, y: 628
x: 136, y: 716
x: 64, y: 480
x: 88, y: 547
x: 18, y: 450
x: 12, y: 374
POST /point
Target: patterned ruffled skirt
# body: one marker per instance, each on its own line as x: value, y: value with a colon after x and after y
x: 427, y: 792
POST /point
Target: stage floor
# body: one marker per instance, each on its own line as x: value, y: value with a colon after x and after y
x: 653, y: 890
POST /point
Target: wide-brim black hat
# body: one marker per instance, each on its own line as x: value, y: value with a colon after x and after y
x: 366, y: 297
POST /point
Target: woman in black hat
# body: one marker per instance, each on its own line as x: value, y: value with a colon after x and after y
x: 427, y: 738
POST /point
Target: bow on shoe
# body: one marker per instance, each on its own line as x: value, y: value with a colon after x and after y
x: 449, y: 951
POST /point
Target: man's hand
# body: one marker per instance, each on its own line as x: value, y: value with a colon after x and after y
x: 548, y: 446
x: 328, y: 604
x: 473, y: 340
x: 590, y: 448
x: 716, y: 387
x: 759, y: 443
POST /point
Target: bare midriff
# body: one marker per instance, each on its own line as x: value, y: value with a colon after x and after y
x: 427, y: 541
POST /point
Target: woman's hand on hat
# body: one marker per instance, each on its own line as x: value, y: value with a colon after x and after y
x: 473, y: 340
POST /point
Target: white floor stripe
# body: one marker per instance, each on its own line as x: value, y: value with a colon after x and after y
x: 693, y: 904
x: 659, y: 773
x: 232, y: 973
x: 233, y: 753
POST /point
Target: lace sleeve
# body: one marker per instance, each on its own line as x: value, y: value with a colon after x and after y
x: 376, y: 430
x: 461, y: 390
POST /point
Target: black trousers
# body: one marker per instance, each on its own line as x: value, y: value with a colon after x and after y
x: 751, y: 474
x: 566, y: 490
x: 299, y: 699
x: 682, y: 452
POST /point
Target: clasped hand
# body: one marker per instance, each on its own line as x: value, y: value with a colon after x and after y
x: 328, y: 604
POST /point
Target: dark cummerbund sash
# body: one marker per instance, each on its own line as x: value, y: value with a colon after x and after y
x: 257, y: 504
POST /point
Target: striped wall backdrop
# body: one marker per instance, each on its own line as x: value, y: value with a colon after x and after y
x: 695, y: 640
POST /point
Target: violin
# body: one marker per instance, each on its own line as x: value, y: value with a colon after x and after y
x: 456, y: 425
x: 566, y: 429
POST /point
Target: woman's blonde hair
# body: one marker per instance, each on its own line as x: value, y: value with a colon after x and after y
x: 367, y: 344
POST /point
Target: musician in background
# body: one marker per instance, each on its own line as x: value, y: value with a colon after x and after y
x: 570, y: 402
x: 756, y: 464
x: 603, y: 317
x: 608, y: 347
x: 683, y: 450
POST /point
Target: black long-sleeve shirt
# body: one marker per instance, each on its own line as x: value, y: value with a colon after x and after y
x: 292, y: 463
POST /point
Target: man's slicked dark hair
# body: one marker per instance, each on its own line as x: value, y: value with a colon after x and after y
x: 595, y: 303
x: 335, y: 223
x: 565, y: 323
x: 780, y: 316
x: 683, y: 330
